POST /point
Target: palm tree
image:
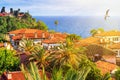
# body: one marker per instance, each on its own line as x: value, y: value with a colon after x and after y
x: 39, y: 55
x: 96, y: 31
x: 71, y: 74
x: 68, y: 54
x: 107, y: 76
x: 31, y: 73
x: 27, y: 45
x: 56, y: 24
x: 93, y: 32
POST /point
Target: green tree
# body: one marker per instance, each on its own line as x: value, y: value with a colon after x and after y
x: 56, y: 24
x: 94, y: 73
x: 117, y: 74
x: 3, y: 9
x: 39, y: 55
x: 93, y: 32
x: 8, y: 23
x: 31, y: 72
x: 96, y: 31
x: 41, y: 25
x: 27, y: 45
x: 73, y: 37
x: 68, y: 54
x: 8, y: 60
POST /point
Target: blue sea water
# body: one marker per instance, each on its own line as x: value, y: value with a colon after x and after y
x: 80, y: 25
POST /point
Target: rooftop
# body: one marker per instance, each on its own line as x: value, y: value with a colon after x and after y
x: 115, y: 46
x: 109, y: 33
x: 29, y: 33
x: 105, y: 67
x: 23, y: 31
x: 88, y: 41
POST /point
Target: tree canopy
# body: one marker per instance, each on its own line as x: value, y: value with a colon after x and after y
x: 13, y: 23
x: 8, y: 60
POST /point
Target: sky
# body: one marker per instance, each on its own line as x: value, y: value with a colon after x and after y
x: 64, y: 7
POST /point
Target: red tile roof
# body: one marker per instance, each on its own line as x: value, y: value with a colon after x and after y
x: 109, y: 33
x: 105, y: 67
x: 4, y: 14
x: 88, y: 41
x: 29, y: 33
x: 18, y: 75
x: 21, y: 31
x: 55, y: 38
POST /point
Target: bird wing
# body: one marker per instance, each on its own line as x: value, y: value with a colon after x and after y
x: 107, y: 12
x: 106, y: 15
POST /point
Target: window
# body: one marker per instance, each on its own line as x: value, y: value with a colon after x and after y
x: 115, y: 39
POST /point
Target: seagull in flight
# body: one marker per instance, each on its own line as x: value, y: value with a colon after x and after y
x: 106, y: 15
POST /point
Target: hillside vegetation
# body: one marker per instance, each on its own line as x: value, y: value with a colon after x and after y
x: 8, y: 23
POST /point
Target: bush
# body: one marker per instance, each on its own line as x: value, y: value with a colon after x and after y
x: 8, y: 60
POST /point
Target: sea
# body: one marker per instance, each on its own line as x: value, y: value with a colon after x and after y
x: 80, y: 25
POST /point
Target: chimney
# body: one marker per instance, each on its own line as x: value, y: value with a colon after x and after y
x: 23, y: 35
x: 36, y: 35
x: 43, y: 35
x: 51, y: 36
x: 9, y: 76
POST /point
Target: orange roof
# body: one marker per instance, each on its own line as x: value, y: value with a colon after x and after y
x: 29, y: 33
x: 62, y: 35
x: 115, y: 46
x: 105, y: 67
x: 109, y: 33
x: 53, y: 40
x: 23, y: 31
x: 88, y: 41
x: 18, y: 75
x: 20, y: 31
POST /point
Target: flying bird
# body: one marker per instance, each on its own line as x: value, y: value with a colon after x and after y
x: 106, y: 15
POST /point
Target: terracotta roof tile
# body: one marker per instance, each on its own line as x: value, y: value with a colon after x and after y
x: 105, y: 67
x: 109, y: 33
x: 115, y: 46
x: 53, y: 40
x: 18, y: 75
x: 88, y: 41
x: 29, y: 33
x: 23, y: 31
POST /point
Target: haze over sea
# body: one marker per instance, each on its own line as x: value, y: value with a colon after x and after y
x: 80, y: 25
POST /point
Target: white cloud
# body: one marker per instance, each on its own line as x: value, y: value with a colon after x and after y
x: 66, y: 7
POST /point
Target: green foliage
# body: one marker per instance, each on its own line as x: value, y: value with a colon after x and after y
x: 27, y: 45
x: 95, y: 31
x: 117, y: 74
x: 56, y: 22
x: 31, y: 72
x: 94, y: 73
x: 12, y: 23
x: 39, y: 56
x: 57, y: 74
x: 41, y: 25
x: 107, y: 76
x: 8, y: 60
x: 73, y: 37
x: 2, y: 38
